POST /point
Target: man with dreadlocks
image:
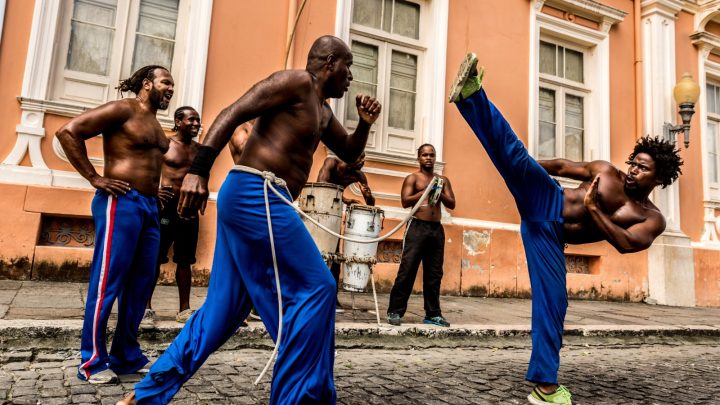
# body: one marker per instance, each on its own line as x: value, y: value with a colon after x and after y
x: 125, y: 210
x: 609, y: 204
x: 264, y: 255
x: 180, y: 233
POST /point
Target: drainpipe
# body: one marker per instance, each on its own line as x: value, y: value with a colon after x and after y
x: 289, y: 51
x: 638, y: 70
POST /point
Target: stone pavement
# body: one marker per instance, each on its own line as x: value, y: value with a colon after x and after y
x: 678, y: 373
x: 48, y: 312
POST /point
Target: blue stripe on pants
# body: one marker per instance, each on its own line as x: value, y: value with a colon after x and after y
x: 539, y: 199
x: 127, y: 239
x: 242, y: 275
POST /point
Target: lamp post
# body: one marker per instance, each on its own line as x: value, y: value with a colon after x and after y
x: 686, y: 93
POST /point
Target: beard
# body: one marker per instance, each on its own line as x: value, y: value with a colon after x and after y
x: 157, y: 99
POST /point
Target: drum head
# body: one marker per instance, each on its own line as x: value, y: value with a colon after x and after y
x: 369, y: 208
x: 324, y: 185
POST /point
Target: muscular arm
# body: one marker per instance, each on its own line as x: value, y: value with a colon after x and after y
x: 365, y: 189
x: 72, y: 137
x: 350, y: 147
x: 407, y: 197
x: 635, y: 238
x: 326, y: 170
x: 447, y: 197
x: 276, y: 90
x: 583, y: 171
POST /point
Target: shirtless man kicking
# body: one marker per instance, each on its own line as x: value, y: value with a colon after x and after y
x: 125, y: 210
x: 292, y: 118
x: 180, y: 233
x: 608, y: 205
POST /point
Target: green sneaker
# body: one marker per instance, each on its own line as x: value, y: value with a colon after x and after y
x: 468, y: 80
x: 560, y: 396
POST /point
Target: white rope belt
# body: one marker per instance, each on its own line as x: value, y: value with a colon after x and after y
x: 270, y: 181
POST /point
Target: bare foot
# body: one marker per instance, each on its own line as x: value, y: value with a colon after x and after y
x: 128, y: 400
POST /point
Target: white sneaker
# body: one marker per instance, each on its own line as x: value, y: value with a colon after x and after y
x: 148, y: 319
x: 104, y: 377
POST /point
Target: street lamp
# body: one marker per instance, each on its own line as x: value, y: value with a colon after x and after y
x: 686, y: 93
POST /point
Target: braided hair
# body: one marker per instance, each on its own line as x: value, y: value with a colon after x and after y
x: 134, y: 82
x: 666, y: 156
x: 180, y: 114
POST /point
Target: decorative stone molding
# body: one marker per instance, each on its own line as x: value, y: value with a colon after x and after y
x: 667, y: 8
x: 605, y: 16
x: 711, y: 228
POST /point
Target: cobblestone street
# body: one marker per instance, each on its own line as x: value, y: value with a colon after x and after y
x: 651, y: 374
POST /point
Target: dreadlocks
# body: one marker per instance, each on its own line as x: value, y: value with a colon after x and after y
x: 666, y: 156
x: 180, y: 114
x: 134, y: 82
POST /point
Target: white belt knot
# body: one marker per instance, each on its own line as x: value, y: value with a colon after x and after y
x: 267, y: 175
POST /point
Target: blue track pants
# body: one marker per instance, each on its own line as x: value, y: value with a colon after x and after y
x: 243, y: 275
x: 127, y: 239
x: 539, y: 199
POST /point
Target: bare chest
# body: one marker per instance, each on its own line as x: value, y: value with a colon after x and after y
x: 146, y: 134
x: 180, y: 155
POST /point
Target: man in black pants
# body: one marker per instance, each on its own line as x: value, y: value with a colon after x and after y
x: 424, y: 241
x: 181, y: 233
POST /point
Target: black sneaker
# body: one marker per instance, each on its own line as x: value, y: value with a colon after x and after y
x: 437, y: 320
x: 394, y: 319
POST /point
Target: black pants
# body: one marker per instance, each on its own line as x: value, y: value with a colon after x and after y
x: 424, y: 241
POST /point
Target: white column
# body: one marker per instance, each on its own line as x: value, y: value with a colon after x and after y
x: 31, y: 129
x: 671, y: 272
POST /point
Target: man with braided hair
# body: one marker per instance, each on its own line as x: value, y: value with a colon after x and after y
x: 293, y: 117
x: 125, y: 210
x: 608, y: 205
x: 180, y: 233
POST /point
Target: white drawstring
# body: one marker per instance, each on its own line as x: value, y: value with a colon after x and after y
x: 269, y: 179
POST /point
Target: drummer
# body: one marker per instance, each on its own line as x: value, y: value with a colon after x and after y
x: 336, y: 171
x: 424, y: 241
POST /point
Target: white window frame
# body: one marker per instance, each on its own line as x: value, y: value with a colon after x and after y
x: 35, y: 103
x: 562, y: 87
x: 127, y: 13
x: 708, y: 70
x: 713, y: 188
x: 430, y: 85
x: 596, y: 61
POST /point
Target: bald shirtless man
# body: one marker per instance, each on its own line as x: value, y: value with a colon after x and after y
x: 292, y: 118
x: 180, y: 233
x: 125, y: 210
x: 608, y: 205
x: 424, y: 240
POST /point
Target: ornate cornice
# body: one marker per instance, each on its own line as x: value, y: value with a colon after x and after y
x: 605, y: 16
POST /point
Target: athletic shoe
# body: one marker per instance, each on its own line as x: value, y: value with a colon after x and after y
x: 394, y: 319
x: 148, y: 319
x: 184, y: 315
x: 104, y: 377
x: 468, y: 80
x: 560, y: 396
x: 436, y: 320
x: 146, y: 368
x: 254, y: 315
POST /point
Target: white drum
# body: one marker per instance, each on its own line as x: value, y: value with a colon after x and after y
x: 322, y: 202
x: 361, y: 221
